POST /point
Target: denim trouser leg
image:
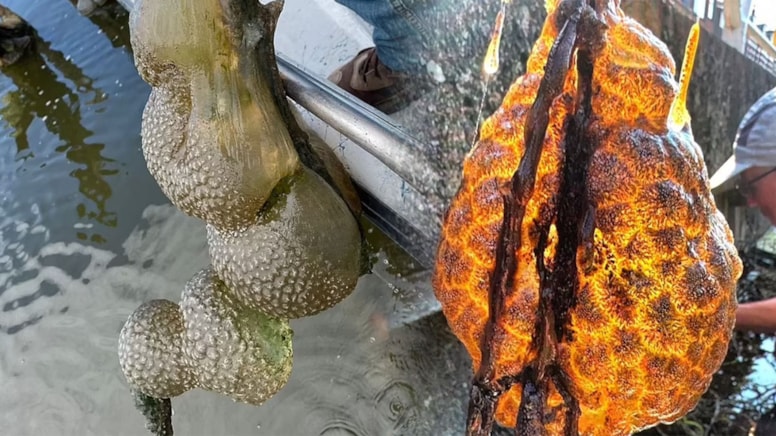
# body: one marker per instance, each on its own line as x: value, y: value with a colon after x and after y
x: 396, y: 34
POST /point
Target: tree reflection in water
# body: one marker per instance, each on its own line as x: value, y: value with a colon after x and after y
x: 50, y: 88
x: 113, y: 21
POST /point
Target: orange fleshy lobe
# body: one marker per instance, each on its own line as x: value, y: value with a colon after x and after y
x: 655, y: 294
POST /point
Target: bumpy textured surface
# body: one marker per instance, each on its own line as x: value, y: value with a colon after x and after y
x: 211, y: 341
x: 221, y: 152
x: 302, y: 256
x: 655, y: 299
x: 236, y: 351
x: 150, y: 350
x: 282, y: 239
x: 216, y: 158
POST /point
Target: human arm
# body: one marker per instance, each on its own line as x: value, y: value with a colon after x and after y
x: 758, y: 316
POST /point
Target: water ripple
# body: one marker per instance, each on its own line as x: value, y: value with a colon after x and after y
x: 59, y: 326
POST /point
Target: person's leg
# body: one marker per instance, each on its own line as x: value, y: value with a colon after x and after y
x: 397, y: 32
x: 408, y: 35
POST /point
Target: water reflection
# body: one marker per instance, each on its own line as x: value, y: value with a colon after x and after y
x: 59, y: 370
x: 41, y: 95
x: 357, y: 371
x: 112, y: 20
x: 59, y: 181
x: 49, y: 87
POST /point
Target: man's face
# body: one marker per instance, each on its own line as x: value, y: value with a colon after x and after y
x: 758, y: 185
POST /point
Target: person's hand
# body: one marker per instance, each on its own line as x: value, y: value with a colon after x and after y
x: 758, y: 316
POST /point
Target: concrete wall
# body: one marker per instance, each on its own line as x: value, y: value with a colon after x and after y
x: 724, y: 84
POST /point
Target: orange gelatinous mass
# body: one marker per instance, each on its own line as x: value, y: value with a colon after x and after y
x: 654, y: 299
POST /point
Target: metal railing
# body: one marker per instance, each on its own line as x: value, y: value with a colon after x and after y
x: 371, y: 130
x: 378, y: 136
x: 759, y: 49
x: 750, y: 41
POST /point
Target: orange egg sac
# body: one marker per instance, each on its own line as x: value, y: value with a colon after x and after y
x: 650, y: 297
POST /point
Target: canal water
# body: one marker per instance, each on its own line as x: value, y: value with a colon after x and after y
x: 86, y: 236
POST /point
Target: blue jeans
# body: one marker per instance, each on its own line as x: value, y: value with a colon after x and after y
x: 401, y: 30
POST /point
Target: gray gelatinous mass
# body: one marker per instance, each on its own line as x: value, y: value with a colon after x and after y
x: 213, y: 136
x: 302, y: 256
x: 237, y: 351
x: 215, y: 141
x: 283, y: 243
x: 151, y: 353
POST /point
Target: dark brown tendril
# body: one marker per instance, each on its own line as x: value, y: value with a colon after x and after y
x: 557, y: 286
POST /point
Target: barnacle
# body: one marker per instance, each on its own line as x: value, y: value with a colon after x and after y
x: 620, y: 301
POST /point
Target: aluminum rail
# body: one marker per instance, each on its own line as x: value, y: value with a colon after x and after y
x: 365, y: 126
x: 362, y: 124
x: 380, y: 137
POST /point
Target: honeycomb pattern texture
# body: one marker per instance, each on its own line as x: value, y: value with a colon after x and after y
x: 286, y: 265
x: 151, y: 350
x: 283, y: 242
x: 236, y: 351
x: 654, y: 293
x: 210, y: 341
x: 214, y: 141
